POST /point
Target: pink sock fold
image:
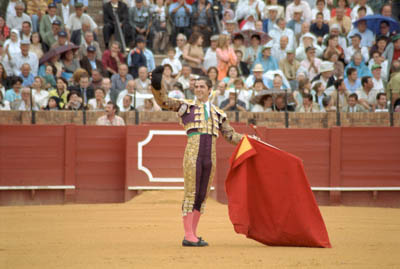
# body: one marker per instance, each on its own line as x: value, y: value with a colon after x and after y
x: 188, y: 227
x: 196, y: 219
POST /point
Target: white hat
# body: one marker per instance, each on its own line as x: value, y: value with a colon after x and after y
x: 326, y: 66
x: 272, y: 7
x: 269, y: 45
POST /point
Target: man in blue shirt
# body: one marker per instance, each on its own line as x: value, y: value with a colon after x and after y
x: 14, y: 93
x: 352, y: 81
x: 26, y: 75
x: 367, y: 36
x: 181, y: 13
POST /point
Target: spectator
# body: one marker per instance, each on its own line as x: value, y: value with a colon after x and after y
x: 136, y: 57
x: 270, y: 22
x: 257, y: 74
x: 356, y: 47
x: 327, y: 104
x: 225, y: 56
x: 340, y: 94
x: 321, y: 8
x: 276, y: 3
x: 193, y: 53
x: 106, y: 86
x: 26, y: 102
x: 289, y: 67
x: 367, y: 37
x: 5, y: 80
x: 280, y: 30
x: 177, y: 92
x: 181, y: 43
x: 139, y: 19
x: 318, y: 92
x: 352, y: 82
x: 184, y: 78
x: 319, y: 28
x: 333, y: 47
x: 75, y: 101
x: 110, y: 119
x: 36, y: 9
x: 76, y: 19
x: 343, y: 4
x: 354, y: 12
x: 238, y: 41
x: 26, y: 31
x: 25, y: 56
x: 307, y: 15
x: 65, y: 10
x: 335, y: 30
x: 280, y: 104
x: 47, y: 21
x: 279, y: 50
x: 393, y: 87
x: 70, y: 64
x: 353, y: 105
x: 36, y: 45
x: 247, y: 7
x: 85, y: 91
x: 126, y: 103
x: 212, y: 74
x: 243, y: 69
x: 96, y: 79
x: 149, y: 105
x: 231, y: 76
x: 231, y: 27
x: 50, y: 38
x: 221, y: 94
x: 98, y: 102
x: 189, y: 92
x: 159, y: 27
x: 26, y: 75
x: 342, y: 20
x: 13, y: 44
x: 311, y: 63
x: 61, y: 91
x: 15, y: 22
x: 304, y: 87
x: 151, y: 65
x: 167, y: 80
x: 367, y: 95
x: 264, y: 103
x: 358, y: 63
x: 119, y: 81
x: 308, y: 104
x: 308, y: 40
x: 4, y: 104
x: 233, y: 103
x: 4, y: 30
x: 90, y: 62
x: 242, y: 93
x: 253, y: 50
x: 78, y: 36
x: 381, y: 103
x: 377, y: 79
x: 142, y: 83
x: 89, y: 41
x: 180, y: 14
x: 296, y: 23
x: 53, y: 104
x: 62, y: 40
x: 326, y: 76
x: 39, y: 93
x: 210, y: 58
x: 112, y: 58
x: 109, y: 29
x: 11, y: 9
x: 265, y: 58
x: 15, y: 92
x: 202, y: 20
x: 172, y: 61
x: 249, y: 23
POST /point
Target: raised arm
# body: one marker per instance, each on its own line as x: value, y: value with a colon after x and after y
x: 160, y: 94
x: 228, y: 132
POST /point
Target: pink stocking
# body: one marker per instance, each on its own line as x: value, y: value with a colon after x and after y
x: 196, y: 218
x: 188, y: 227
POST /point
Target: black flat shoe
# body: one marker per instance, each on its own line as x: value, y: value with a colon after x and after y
x: 200, y: 243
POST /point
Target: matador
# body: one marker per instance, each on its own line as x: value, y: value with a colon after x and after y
x: 202, y: 122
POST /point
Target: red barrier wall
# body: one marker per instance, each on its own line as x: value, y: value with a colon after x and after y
x: 103, y: 162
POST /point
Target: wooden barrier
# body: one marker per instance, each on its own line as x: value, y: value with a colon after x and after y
x: 44, y: 164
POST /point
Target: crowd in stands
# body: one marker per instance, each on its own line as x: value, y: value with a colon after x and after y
x: 261, y: 56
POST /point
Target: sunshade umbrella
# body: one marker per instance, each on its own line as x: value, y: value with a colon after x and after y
x: 53, y: 52
x: 374, y: 23
x: 247, y: 34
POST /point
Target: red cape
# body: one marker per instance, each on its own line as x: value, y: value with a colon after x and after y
x: 270, y: 199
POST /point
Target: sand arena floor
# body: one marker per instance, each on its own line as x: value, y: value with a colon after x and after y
x: 147, y: 232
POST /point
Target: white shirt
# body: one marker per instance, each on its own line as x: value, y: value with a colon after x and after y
x: 384, y: 70
x: 75, y: 23
x: 304, y: 6
x: 378, y: 85
x: 244, y: 8
x: 370, y: 97
x: 140, y: 97
x: 18, y: 60
x: 278, y: 52
x: 5, y: 106
x: 221, y: 98
x: 11, y: 9
x: 178, y: 53
x: 40, y: 97
x: 277, y: 32
x: 15, y: 22
x: 65, y: 13
x: 93, y: 104
x: 175, y: 63
x: 350, y: 50
x: 210, y: 59
x: 326, y: 12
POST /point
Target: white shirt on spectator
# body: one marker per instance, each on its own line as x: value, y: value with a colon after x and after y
x: 175, y: 63
x: 350, y: 50
x: 40, y: 97
x: 370, y: 97
x: 75, y: 23
x: 15, y: 22
x: 93, y: 104
x: 11, y: 10
x: 378, y: 85
x: 184, y: 81
x: 210, y: 59
x: 244, y: 8
x: 304, y: 6
x: 326, y: 12
x: 65, y: 13
x: 277, y: 32
x: 384, y: 69
x: 259, y: 108
x: 278, y: 52
x: 18, y: 60
x: 5, y: 105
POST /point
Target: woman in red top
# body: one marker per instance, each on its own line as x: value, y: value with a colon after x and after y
x: 4, y: 30
x: 345, y: 5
